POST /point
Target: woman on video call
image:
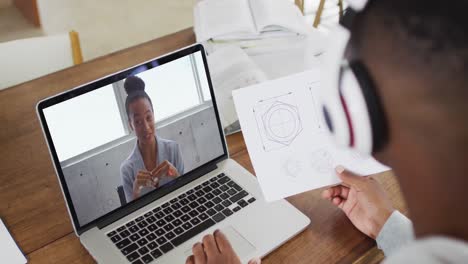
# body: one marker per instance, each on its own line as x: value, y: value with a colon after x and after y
x: 154, y: 161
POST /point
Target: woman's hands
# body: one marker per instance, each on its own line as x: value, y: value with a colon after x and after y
x: 215, y: 249
x: 151, y: 178
x: 363, y: 201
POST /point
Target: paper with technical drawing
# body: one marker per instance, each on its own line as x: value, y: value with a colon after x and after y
x: 288, y: 144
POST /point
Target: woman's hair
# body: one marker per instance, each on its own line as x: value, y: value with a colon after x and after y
x: 135, y: 88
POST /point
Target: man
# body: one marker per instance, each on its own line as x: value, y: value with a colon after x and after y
x: 417, y: 54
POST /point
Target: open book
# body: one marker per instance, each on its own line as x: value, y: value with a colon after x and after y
x: 247, y: 19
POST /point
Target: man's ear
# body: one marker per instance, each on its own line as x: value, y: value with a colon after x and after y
x: 130, y: 125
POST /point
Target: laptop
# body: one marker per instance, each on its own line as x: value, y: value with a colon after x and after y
x: 142, y: 186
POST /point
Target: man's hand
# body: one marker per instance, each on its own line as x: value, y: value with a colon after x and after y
x: 215, y: 249
x: 363, y: 201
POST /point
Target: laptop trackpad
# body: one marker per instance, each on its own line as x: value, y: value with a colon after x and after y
x: 240, y: 245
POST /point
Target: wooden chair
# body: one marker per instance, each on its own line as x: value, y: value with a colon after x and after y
x: 26, y: 59
x: 318, y: 14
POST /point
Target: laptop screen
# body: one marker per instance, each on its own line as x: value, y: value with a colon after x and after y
x: 135, y: 134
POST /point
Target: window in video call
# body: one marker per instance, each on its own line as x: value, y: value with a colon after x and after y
x: 124, y: 140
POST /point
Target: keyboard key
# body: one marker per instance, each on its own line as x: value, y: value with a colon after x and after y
x: 156, y: 253
x: 214, y: 185
x: 160, y: 232
x: 152, y: 227
x: 211, y: 212
x: 137, y: 262
x: 124, y: 233
x: 166, y: 247
x: 218, y: 217
x: 231, y: 184
x: 116, y: 238
x: 111, y: 234
x: 176, y: 223
x: 201, y: 200
x: 184, y: 201
x: 174, y: 200
x: 129, y: 224
x: 185, y: 209
x: 143, y: 232
x: 206, y: 183
x: 147, y: 258
x: 140, y: 218
x: 120, y: 229
x: 251, y: 200
x: 165, y: 205
x: 219, y: 207
x: 143, y: 250
x: 161, y: 240
x: 185, y: 218
x: 133, y: 256
x: 170, y: 235
x: 168, y: 227
x: 178, y: 230
x: 193, y: 205
x: 221, y: 175
x: 226, y: 203
x: 193, y: 213
x: 176, y: 206
x: 142, y: 224
x: 224, y: 188
x: 227, y: 212
x: 151, y: 219
x: 182, y: 196
x: 123, y: 243
x: 152, y: 245
x: 209, y: 196
x: 223, y: 180
x: 157, y: 209
x: 187, y: 226
x: 195, y: 221
x: 129, y: 249
x: 168, y: 210
x: 161, y: 222
x: 159, y: 215
x: 148, y: 214
x: 201, y: 208
x: 217, y: 200
x: 242, y: 203
x: 213, y: 179
x: 151, y: 237
x: 224, y: 196
x: 190, y: 192
x: 238, y: 196
x: 231, y: 192
x: 142, y: 242
x: 207, y: 189
x: 216, y: 192
x: 193, y: 232
x: 237, y: 208
x: 134, y: 229
x: 191, y: 197
x: 199, y: 193
x: 134, y: 237
x: 169, y: 218
x: 209, y: 204
x: 198, y: 187
x: 203, y: 216
x: 178, y: 213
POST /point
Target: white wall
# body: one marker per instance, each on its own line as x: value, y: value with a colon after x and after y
x: 93, y: 182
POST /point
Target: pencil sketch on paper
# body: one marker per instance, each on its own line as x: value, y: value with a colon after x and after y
x: 278, y: 121
x: 312, y: 86
x: 321, y: 161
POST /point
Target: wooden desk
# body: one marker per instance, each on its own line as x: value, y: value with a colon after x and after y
x: 33, y: 208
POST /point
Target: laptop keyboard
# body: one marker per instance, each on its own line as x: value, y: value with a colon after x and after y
x: 156, y: 232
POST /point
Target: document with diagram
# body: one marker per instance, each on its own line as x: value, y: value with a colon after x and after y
x: 287, y: 140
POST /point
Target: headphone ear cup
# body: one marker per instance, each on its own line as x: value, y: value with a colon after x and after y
x: 373, y: 107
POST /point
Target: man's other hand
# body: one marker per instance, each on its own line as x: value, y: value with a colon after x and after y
x: 363, y: 201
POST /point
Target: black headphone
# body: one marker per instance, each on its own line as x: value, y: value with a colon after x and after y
x: 350, y: 103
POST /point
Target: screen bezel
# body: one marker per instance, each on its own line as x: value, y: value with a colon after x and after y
x: 151, y: 196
